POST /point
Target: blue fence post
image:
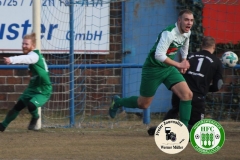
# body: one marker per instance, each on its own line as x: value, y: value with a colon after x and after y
x: 71, y: 64
x: 146, y: 116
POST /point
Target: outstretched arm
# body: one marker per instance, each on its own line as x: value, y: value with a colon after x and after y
x: 30, y: 58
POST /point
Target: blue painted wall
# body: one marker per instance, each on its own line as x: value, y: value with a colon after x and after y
x: 143, y: 20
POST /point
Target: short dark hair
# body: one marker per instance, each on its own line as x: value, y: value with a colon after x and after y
x: 185, y: 11
x: 208, y: 42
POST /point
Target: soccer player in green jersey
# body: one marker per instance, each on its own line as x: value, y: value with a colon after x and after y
x: 203, y: 76
x: 160, y: 67
x: 39, y: 89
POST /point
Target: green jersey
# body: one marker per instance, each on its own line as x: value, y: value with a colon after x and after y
x: 40, y: 80
x: 168, y: 43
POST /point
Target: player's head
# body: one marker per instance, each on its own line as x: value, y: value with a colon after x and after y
x: 185, y: 20
x: 208, y: 43
x: 28, y: 43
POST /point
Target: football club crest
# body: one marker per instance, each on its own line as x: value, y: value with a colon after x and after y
x: 207, y: 136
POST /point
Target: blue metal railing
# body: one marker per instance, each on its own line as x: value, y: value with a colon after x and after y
x: 76, y: 66
x: 146, y: 113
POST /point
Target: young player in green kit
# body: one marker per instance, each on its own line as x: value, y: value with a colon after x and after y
x: 39, y: 89
x: 160, y: 67
x: 203, y: 76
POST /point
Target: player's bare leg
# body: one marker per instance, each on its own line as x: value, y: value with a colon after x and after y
x: 182, y: 90
x: 144, y: 102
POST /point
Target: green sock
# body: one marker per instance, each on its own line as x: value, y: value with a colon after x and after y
x: 35, y: 113
x: 12, y: 114
x: 130, y: 102
x: 185, y: 109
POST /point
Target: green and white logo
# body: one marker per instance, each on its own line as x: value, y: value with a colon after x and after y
x: 207, y: 136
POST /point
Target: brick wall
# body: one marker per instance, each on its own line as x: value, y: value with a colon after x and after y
x: 13, y: 83
x: 98, y: 84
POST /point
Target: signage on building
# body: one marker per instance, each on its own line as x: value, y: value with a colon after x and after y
x: 90, y: 26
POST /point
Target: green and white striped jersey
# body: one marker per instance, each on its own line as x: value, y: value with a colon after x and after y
x: 168, y: 43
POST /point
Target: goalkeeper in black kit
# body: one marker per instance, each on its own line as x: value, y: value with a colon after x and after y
x: 203, y: 76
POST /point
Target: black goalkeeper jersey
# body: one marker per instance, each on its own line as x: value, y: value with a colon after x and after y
x: 205, y: 72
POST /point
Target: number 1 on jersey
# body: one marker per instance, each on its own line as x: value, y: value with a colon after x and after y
x: 200, y: 61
